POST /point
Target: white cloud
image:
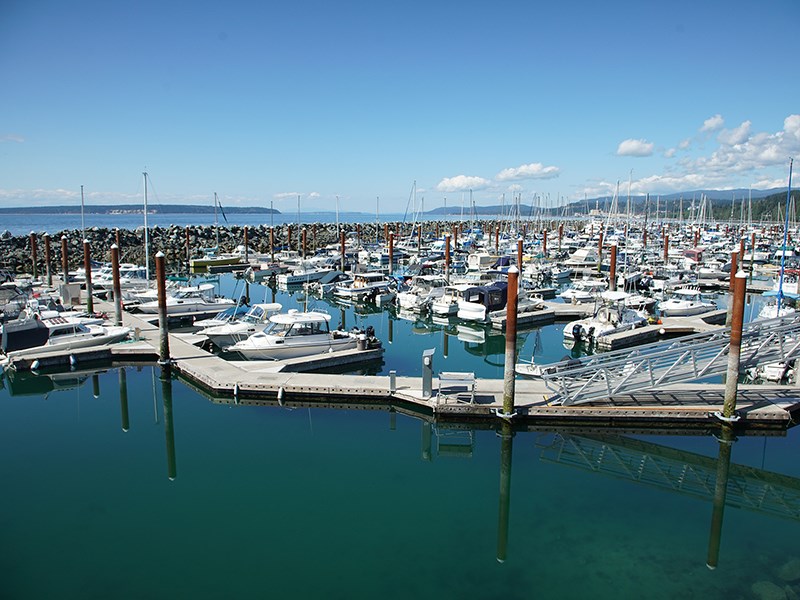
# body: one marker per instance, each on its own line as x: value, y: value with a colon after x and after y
x: 735, y: 136
x: 313, y: 195
x: 462, y: 183
x: 514, y: 188
x: 635, y: 148
x: 12, y: 137
x: 670, y: 152
x: 712, y: 124
x: 285, y: 195
x: 529, y: 171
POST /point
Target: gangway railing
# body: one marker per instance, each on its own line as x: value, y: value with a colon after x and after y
x: 651, y: 366
x: 676, y: 471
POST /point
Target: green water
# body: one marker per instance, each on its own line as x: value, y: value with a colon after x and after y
x: 268, y: 502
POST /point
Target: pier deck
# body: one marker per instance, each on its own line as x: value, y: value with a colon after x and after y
x: 678, y: 406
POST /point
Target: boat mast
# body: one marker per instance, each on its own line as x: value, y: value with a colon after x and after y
x: 216, y: 222
x: 146, y: 234
x: 83, y: 223
x: 785, y: 239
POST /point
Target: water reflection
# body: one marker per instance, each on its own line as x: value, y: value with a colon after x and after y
x: 718, y: 480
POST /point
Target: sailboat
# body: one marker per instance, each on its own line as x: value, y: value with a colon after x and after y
x: 211, y: 256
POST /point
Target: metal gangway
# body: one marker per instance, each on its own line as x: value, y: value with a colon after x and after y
x: 652, y: 366
x: 676, y: 471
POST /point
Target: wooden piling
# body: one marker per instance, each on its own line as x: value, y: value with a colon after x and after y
x: 342, y: 248
x: 447, y: 257
x: 734, y: 351
x: 47, y: 259
x: 116, y: 287
x: 612, y: 275
x: 391, y: 252
x: 163, y: 332
x: 33, y: 254
x: 509, y: 376
x: 64, y: 260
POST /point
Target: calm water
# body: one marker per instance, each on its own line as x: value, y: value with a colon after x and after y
x: 316, y: 503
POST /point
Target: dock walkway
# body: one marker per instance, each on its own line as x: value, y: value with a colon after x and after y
x: 242, y: 382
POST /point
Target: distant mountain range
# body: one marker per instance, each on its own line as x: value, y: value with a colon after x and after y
x: 112, y: 209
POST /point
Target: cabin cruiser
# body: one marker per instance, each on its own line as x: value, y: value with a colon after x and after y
x: 424, y: 290
x: 583, y: 290
x: 611, y: 316
x: 685, y: 301
x: 446, y: 305
x: 199, y: 298
x: 371, y: 285
x: 477, y: 302
x: 29, y: 336
x: 294, y: 334
x: 238, y: 329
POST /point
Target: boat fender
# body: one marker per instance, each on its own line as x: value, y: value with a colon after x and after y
x: 72, y: 361
x: 35, y: 365
x: 280, y: 396
x: 236, y: 393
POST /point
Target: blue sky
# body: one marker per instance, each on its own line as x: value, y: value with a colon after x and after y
x: 262, y: 101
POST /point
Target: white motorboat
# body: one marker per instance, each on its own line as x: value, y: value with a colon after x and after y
x: 611, y: 316
x: 447, y: 304
x: 199, y: 298
x: 583, y: 290
x: 424, y: 290
x: 370, y: 285
x: 477, y: 302
x: 25, y: 337
x: 294, y: 334
x: 238, y: 329
x: 685, y: 302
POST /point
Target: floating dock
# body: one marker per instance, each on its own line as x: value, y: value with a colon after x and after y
x: 242, y: 382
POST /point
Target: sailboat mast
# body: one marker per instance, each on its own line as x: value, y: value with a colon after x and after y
x: 146, y: 233
x: 83, y: 223
x: 785, y: 239
x: 216, y: 222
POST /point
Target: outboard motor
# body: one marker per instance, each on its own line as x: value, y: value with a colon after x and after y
x: 577, y: 332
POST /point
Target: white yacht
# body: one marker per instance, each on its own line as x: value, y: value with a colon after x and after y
x: 611, y: 316
x: 366, y: 286
x: 25, y: 337
x: 238, y: 329
x: 199, y: 298
x: 583, y: 290
x: 424, y: 290
x: 294, y: 334
x: 685, y: 302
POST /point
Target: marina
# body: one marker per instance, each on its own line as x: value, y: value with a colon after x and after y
x: 640, y: 411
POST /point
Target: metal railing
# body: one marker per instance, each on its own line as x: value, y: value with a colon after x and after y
x: 659, y: 364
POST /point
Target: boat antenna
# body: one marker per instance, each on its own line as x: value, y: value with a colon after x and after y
x: 146, y: 233
x: 785, y: 238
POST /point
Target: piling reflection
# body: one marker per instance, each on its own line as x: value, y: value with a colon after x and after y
x: 506, y: 447
x: 715, y: 480
x: 169, y: 427
x: 726, y: 439
x: 123, y: 398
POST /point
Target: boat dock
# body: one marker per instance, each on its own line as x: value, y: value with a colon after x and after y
x: 242, y: 382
